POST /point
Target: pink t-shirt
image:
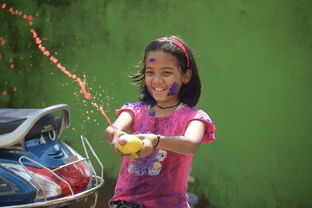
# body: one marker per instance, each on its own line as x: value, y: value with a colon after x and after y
x: 160, y: 179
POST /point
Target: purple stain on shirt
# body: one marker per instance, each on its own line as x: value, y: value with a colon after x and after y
x: 173, y: 89
x: 152, y: 112
x: 133, y: 105
x: 152, y: 59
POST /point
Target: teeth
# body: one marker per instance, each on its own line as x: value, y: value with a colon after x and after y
x: 158, y: 89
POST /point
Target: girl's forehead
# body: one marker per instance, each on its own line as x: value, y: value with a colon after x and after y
x: 160, y: 56
x: 152, y: 59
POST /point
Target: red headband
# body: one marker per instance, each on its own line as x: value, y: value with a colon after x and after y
x: 180, y: 45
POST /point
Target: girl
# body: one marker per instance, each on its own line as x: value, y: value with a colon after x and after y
x: 170, y: 128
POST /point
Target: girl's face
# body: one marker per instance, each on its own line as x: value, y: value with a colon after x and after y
x: 163, y: 77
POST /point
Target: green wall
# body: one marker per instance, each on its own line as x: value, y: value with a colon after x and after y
x: 255, y: 62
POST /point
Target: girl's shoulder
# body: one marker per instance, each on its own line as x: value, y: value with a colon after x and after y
x: 200, y: 114
x: 133, y: 105
x: 192, y: 110
x: 195, y: 114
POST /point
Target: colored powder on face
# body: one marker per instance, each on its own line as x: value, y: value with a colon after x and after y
x: 152, y: 59
x: 173, y: 89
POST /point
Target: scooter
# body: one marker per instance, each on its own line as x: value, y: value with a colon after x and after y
x: 37, y: 169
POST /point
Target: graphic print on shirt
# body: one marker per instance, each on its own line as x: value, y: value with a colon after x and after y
x: 150, y: 165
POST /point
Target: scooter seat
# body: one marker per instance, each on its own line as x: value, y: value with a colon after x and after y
x: 17, y: 125
x: 10, y: 119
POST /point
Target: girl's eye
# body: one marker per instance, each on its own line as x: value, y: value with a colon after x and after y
x: 149, y: 73
x: 167, y: 73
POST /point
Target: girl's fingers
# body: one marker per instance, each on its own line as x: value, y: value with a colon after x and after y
x: 140, y: 136
x: 120, y: 133
x: 114, y: 147
x: 147, y: 148
x: 116, y: 150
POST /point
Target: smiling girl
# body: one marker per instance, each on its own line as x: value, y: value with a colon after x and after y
x: 168, y: 124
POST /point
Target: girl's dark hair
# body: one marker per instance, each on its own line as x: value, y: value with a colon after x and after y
x: 190, y: 92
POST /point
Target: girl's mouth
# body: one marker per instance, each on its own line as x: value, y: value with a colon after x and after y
x: 158, y: 89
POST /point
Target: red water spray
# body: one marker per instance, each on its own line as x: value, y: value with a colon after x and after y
x: 39, y: 42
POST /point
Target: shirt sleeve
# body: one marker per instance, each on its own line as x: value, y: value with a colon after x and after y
x: 127, y: 107
x: 133, y: 108
x: 209, y: 135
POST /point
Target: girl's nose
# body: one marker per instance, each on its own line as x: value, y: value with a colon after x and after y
x: 158, y: 79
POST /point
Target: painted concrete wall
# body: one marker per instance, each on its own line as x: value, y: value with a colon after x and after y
x: 255, y: 62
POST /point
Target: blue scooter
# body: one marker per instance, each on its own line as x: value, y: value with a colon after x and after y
x: 37, y: 169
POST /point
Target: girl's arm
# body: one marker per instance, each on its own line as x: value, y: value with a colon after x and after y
x: 187, y: 144
x: 122, y: 124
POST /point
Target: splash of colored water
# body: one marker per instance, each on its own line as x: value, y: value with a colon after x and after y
x: 55, y: 61
x: 82, y: 84
x: 11, y: 66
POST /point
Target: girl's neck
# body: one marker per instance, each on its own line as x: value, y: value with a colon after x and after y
x: 160, y: 106
x: 157, y: 111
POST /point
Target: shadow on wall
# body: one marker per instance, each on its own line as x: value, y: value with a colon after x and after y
x: 107, y: 191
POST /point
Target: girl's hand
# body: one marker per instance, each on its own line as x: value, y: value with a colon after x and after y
x: 148, y: 144
x: 118, y: 133
x: 119, y: 127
